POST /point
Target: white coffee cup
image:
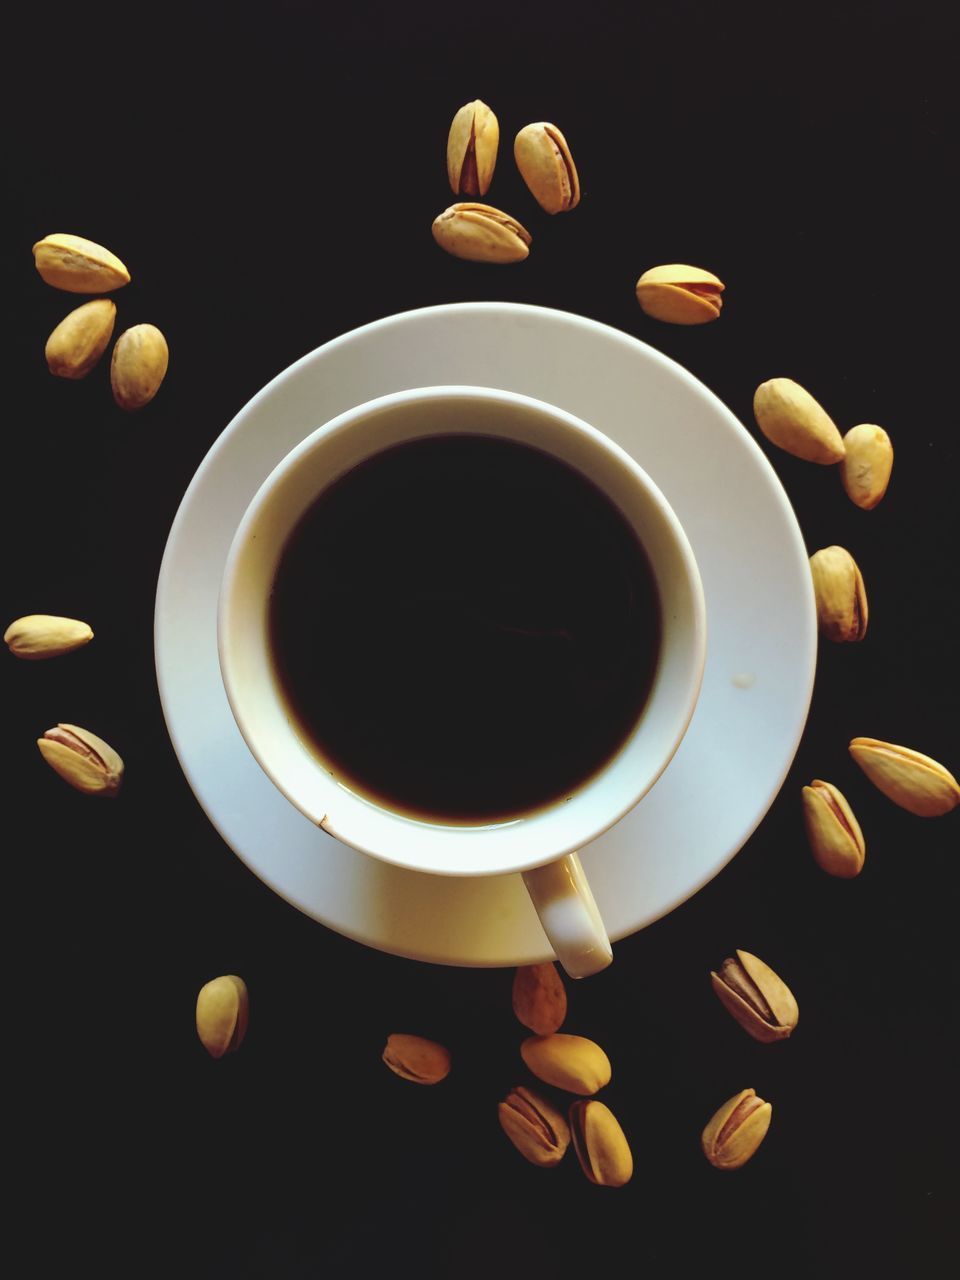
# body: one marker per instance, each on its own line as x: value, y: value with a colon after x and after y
x: 542, y: 846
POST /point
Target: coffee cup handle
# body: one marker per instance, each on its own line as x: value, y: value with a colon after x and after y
x: 568, y: 913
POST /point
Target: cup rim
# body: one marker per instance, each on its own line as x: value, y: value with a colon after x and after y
x: 399, y: 854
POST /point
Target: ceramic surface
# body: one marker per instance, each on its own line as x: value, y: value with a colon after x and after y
x: 760, y: 626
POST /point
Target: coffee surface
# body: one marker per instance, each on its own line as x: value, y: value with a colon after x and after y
x: 464, y: 628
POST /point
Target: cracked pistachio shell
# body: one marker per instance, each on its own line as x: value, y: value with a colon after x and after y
x: 480, y: 233
x: 416, y: 1059
x: 913, y: 781
x: 756, y: 997
x: 539, y: 997
x: 81, y: 758
x: 600, y: 1144
x: 80, y: 339
x: 867, y: 464
x: 791, y: 419
x: 538, y: 1130
x: 78, y: 265
x: 842, y: 612
x: 679, y: 294
x: 138, y: 365
x: 735, y: 1131
x: 833, y: 832
x: 568, y: 1062
x: 546, y: 166
x: 223, y: 1010
x: 43, y: 635
x: 472, y: 149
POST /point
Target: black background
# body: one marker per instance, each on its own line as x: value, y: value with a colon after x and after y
x: 269, y: 173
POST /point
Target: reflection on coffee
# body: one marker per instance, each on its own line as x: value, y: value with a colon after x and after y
x: 464, y: 628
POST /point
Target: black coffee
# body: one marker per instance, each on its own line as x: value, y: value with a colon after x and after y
x: 464, y: 628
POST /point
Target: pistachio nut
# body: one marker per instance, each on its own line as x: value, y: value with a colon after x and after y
x: 536, y: 1129
x: 546, y: 166
x: 78, y: 265
x: 791, y: 418
x: 81, y: 758
x: 43, y: 635
x: 841, y: 597
x: 472, y: 149
x: 569, y: 1062
x: 223, y: 1010
x: 833, y: 832
x: 760, y: 1001
x: 600, y: 1144
x: 80, y: 339
x: 867, y: 464
x: 138, y: 365
x: 480, y: 233
x: 909, y: 779
x: 539, y: 997
x: 678, y: 294
x: 736, y: 1130
x: 413, y: 1058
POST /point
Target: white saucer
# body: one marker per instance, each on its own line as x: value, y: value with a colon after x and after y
x: 761, y: 629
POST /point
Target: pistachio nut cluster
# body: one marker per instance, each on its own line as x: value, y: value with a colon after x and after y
x: 37, y: 636
x: 792, y: 419
x: 74, y: 348
x: 842, y: 612
x: 481, y: 232
x: 223, y: 1011
x: 756, y: 997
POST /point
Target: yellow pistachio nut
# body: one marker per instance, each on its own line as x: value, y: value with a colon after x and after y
x: 789, y: 416
x: 834, y: 834
x: 81, y: 758
x: 536, y: 1129
x: 841, y: 597
x: 569, y: 1062
x: 736, y: 1130
x: 679, y: 294
x: 223, y: 1011
x: 480, y: 233
x: 416, y: 1059
x: 867, y: 464
x: 78, y: 265
x: 756, y: 997
x: 138, y: 366
x: 472, y: 149
x: 43, y: 635
x: 912, y: 780
x: 80, y: 339
x: 539, y: 997
x: 546, y: 166
x: 600, y: 1144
